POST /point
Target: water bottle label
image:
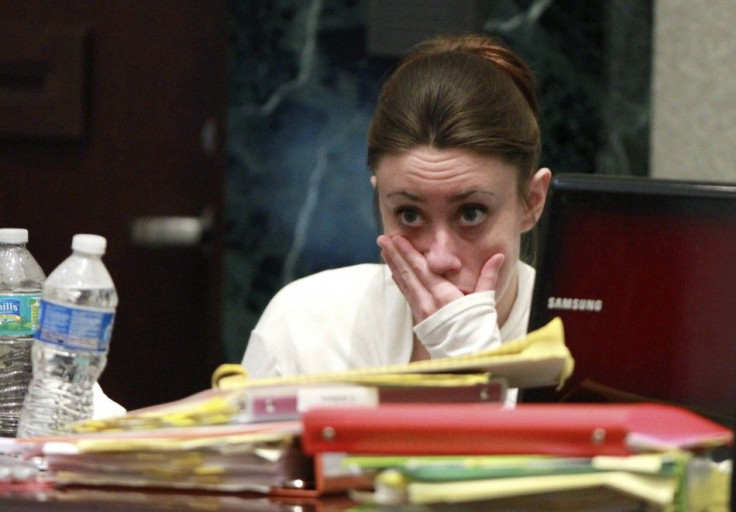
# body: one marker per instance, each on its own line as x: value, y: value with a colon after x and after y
x: 19, y: 314
x: 75, y: 327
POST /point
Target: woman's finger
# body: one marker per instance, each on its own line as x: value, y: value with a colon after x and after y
x: 425, y: 291
x: 402, y: 270
x: 488, y: 277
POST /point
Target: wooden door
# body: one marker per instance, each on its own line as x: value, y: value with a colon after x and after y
x: 143, y: 141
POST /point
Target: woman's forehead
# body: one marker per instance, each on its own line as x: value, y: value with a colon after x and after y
x: 446, y: 167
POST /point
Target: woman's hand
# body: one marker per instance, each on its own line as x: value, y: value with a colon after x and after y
x: 426, y: 291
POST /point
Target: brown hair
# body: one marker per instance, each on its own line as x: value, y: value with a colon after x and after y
x: 468, y: 92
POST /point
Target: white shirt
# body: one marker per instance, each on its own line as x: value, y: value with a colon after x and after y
x: 356, y: 317
x: 103, y: 406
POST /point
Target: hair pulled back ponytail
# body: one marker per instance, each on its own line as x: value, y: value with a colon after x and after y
x: 469, y: 92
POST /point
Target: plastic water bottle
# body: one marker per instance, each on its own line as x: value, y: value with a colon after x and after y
x: 71, y: 345
x: 20, y: 294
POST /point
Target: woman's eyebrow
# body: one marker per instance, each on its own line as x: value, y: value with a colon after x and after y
x: 408, y: 195
x: 465, y: 195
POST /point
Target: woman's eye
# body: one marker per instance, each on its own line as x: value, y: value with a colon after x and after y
x: 472, y: 215
x: 408, y: 216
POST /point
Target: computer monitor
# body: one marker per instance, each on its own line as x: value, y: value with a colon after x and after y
x: 642, y: 273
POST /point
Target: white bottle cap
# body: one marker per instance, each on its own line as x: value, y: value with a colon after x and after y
x: 93, y: 244
x: 13, y: 236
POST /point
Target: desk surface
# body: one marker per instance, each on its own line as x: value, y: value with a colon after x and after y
x: 15, y: 498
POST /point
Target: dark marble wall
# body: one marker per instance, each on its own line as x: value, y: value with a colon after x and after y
x: 304, y: 78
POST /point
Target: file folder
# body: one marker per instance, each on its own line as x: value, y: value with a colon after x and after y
x: 553, y: 429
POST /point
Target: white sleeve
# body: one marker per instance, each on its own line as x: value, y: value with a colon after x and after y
x: 466, y: 325
x: 103, y: 406
x: 258, y: 361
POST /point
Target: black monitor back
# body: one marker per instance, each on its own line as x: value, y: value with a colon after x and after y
x: 642, y: 273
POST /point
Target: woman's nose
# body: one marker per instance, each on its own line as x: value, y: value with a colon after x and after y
x: 442, y: 255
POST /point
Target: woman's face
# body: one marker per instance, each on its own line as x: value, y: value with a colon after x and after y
x: 457, y: 208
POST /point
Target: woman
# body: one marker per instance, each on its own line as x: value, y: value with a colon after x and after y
x: 453, y: 147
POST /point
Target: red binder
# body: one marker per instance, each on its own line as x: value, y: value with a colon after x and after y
x: 583, y: 430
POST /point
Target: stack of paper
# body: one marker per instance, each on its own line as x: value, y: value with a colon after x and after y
x: 280, y: 402
x: 424, y: 454
x: 539, y: 359
x: 246, y: 434
x: 253, y: 457
x: 654, y: 478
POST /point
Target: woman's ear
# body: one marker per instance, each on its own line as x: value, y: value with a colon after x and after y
x: 373, y: 181
x: 538, y: 186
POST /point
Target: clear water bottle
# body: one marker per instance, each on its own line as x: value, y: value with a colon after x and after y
x: 20, y: 294
x: 71, y: 345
